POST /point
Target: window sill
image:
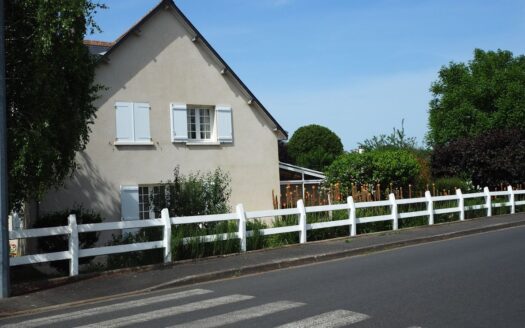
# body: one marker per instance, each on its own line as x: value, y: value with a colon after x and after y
x: 133, y: 143
x: 203, y: 143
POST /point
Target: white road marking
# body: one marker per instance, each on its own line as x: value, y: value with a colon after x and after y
x: 106, y: 309
x: 236, y: 316
x: 333, y: 319
x: 171, y: 311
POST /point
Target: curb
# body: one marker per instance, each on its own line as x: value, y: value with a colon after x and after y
x: 294, y: 262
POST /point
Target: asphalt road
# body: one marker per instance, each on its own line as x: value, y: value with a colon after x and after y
x: 474, y: 281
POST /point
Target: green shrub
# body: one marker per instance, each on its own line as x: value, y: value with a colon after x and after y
x: 450, y: 184
x: 488, y: 160
x: 186, y: 195
x: 399, y: 167
x: 257, y: 240
x: 132, y: 259
x: 282, y: 239
x: 314, y: 146
x: 327, y: 233
x: 197, y: 247
x: 194, y: 194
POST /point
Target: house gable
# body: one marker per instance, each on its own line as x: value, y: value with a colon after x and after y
x: 200, y: 41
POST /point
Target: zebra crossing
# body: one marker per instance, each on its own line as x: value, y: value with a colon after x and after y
x: 141, y: 311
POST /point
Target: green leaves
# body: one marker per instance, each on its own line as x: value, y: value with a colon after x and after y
x: 194, y: 194
x: 314, y: 146
x: 490, y: 159
x: 50, y: 92
x: 477, y: 117
x: 384, y: 166
x: 486, y: 93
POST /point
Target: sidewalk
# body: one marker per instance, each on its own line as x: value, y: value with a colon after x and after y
x: 94, y: 287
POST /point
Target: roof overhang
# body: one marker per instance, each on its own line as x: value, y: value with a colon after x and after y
x: 302, y: 170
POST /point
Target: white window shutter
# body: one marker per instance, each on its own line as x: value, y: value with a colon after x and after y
x: 129, y: 202
x: 124, y: 115
x: 141, y: 120
x: 179, y: 123
x: 224, y: 124
x: 129, y: 205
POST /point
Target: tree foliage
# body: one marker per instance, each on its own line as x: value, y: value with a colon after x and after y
x: 50, y: 91
x: 490, y: 159
x: 487, y: 93
x: 314, y: 146
x: 384, y: 166
x: 397, y: 139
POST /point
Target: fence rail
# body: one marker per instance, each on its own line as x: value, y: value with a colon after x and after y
x: 73, y: 230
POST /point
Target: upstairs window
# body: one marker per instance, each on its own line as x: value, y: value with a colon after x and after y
x: 200, y: 123
x: 195, y: 124
x: 132, y: 123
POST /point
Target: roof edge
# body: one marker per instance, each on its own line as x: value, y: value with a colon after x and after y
x: 301, y: 169
x: 98, y: 43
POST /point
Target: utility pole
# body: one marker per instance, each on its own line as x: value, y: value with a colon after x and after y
x: 4, y: 234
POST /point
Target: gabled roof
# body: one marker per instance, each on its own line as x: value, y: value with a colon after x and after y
x: 166, y: 4
x: 98, y: 47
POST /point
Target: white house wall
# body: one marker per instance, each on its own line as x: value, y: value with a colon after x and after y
x: 162, y: 65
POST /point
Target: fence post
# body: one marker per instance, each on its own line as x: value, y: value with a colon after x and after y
x: 330, y: 213
x: 461, y: 204
x: 430, y: 207
x: 165, y: 216
x: 352, y: 216
x: 241, y: 215
x: 73, y: 245
x: 512, y: 200
x: 488, y: 201
x: 395, y: 216
x: 302, y: 220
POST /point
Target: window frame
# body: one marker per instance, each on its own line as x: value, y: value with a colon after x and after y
x: 151, y: 189
x: 221, y: 124
x: 197, y: 110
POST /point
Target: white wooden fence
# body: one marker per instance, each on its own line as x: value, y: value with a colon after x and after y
x: 73, y: 230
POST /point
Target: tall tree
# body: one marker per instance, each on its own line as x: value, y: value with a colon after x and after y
x: 487, y: 93
x: 50, y: 91
x: 314, y: 146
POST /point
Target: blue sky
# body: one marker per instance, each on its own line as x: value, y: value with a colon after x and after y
x: 357, y: 67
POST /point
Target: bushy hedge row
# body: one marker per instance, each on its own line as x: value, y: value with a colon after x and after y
x: 384, y: 166
x: 491, y: 159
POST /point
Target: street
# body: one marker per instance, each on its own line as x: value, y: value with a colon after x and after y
x: 474, y: 281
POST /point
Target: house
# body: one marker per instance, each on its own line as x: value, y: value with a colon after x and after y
x: 169, y: 100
